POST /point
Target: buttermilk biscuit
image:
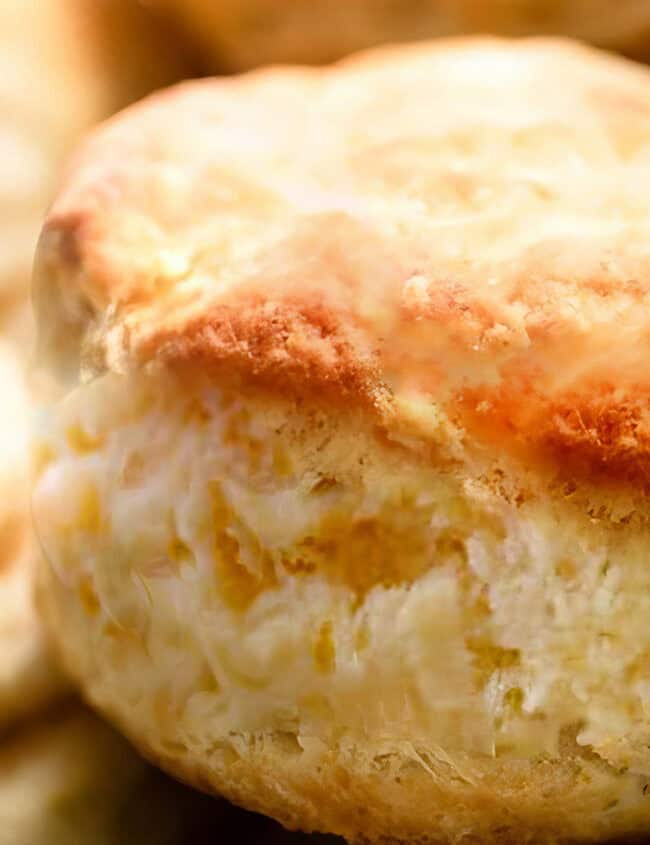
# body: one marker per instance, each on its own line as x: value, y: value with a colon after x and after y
x: 346, y: 505
x: 64, y: 65
x: 29, y: 678
x: 245, y: 33
x: 68, y: 779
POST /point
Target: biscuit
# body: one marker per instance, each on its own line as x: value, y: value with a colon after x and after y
x: 29, y: 677
x: 64, y: 65
x: 346, y: 501
x: 239, y: 34
x: 68, y: 779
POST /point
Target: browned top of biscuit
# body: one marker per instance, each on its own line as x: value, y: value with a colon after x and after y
x: 463, y: 225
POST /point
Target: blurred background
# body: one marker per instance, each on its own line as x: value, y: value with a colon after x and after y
x: 65, y: 65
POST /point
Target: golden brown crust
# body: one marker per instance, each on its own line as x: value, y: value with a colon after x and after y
x: 330, y: 233
x: 401, y: 809
x: 603, y: 435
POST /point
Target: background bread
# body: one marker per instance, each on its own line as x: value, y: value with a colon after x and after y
x: 239, y: 34
x: 64, y: 66
x: 29, y: 676
x: 68, y: 779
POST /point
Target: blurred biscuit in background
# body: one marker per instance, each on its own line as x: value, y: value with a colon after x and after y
x: 64, y: 65
x: 239, y: 34
x: 29, y: 679
x: 69, y: 779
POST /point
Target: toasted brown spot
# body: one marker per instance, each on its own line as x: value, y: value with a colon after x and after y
x: 298, y: 565
x: 238, y: 585
x: 282, y: 464
x: 12, y: 536
x: 196, y: 412
x: 43, y: 454
x: 600, y: 434
x: 207, y: 682
x: 89, y: 517
x: 323, y: 485
x: 323, y: 650
x: 361, y: 638
x: 566, y: 569
x: 639, y: 668
x: 179, y: 552
x: 81, y: 442
x: 88, y: 596
x: 514, y: 699
x: 163, y: 706
x: 365, y: 552
x: 124, y: 637
x: 276, y: 348
x: 396, y: 545
x: 488, y: 657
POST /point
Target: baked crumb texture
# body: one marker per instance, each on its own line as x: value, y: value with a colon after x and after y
x: 345, y: 499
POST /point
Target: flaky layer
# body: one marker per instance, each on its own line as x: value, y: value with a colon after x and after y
x: 231, y: 566
x: 462, y: 223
